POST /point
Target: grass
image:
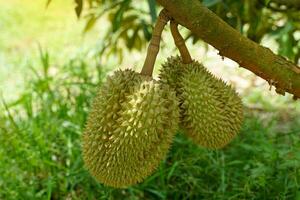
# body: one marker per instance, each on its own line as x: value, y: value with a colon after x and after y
x: 25, y: 25
x: 40, y: 154
x: 42, y: 119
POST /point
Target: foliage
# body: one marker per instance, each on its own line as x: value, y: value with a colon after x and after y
x: 40, y: 135
x: 262, y: 18
x: 131, y: 22
x: 40, y: 152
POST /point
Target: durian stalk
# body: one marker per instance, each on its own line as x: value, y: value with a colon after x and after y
x: 153, y: 47
x: 180, y: 43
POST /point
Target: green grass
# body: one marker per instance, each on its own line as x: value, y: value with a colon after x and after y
x: 26, y: 24
x: 40, y: 154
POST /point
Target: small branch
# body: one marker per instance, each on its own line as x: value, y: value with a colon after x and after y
x: 153, y: 47
x: 278, y: 71
x: 180, y: 43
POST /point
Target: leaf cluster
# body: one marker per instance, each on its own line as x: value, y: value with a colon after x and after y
x: 130, y: 22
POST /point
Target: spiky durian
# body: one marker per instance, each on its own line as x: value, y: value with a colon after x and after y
x: 129, y: 129
x: 211, y: 111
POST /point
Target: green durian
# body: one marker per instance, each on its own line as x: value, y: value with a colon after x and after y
x: 211, y: 112
x: 129, y: 129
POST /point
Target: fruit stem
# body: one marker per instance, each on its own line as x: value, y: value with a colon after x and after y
x: 153, y: 47
x: 180, y: 43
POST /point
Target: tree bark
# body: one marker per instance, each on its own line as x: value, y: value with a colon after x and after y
x: 278, y: 71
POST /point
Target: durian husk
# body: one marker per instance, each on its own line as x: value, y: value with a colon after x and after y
x: 129, y: 129
x: 211, y: 112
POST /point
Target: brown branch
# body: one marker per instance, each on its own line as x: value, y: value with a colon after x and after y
x: 278, y: 71
x: 180, y: 43
x: 153, y: 47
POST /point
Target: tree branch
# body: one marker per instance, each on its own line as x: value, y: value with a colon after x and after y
x: 278, y: 71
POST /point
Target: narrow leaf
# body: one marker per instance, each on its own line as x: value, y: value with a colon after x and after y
x: 152, y: 9
x: 78, y: 8
x: 48, y: 3
x: 210, y: 3
x: 119, y: 15
x: 146, y: 31
x: 118, y: 19
x: 131, y: 41
x: 90, y: 23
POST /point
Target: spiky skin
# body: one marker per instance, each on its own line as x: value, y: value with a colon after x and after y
x: 211, y: 112
x: 129, y: 129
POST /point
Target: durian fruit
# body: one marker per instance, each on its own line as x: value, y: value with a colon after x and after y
x: 211, y: 112
x: 130, y: 128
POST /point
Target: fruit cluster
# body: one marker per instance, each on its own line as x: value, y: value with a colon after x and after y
x: 134, y: 117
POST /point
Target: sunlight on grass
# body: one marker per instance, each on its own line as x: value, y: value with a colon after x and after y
x: 24, y: 25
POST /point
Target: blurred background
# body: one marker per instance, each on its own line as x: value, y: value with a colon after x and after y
x: 52, y: 61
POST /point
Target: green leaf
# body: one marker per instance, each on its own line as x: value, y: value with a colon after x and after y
x: 146, y: 31
x: 129, y: 20
x: 152, y: 9
x: 78, y: 8
x: 210, y: 3
x: 118, y: 17
x: 90, y: 23
x: 132, y: 39
x: 44, y: 56
x: 48, y: 3
x: 267, y: 2
x: 117, y: 20
x: 172, y: 169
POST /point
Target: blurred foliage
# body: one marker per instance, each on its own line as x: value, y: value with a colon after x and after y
x: 131, y: 22
x: 40, y: 151
x: 40, y: 131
